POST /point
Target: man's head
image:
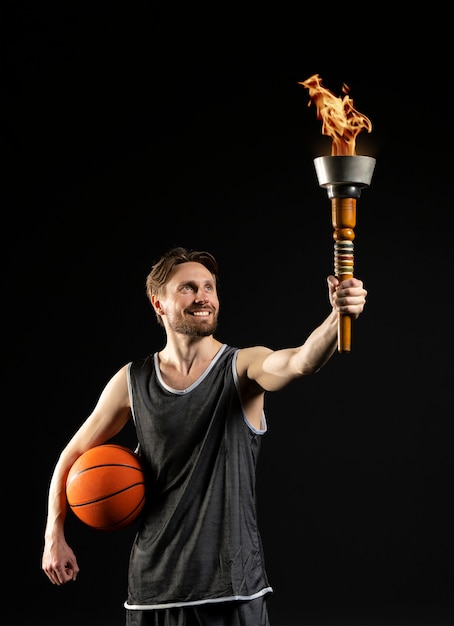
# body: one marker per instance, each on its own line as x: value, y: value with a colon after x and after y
x: 182, y: 287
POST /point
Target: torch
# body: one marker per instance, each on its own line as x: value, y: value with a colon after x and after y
x: 343, y: 175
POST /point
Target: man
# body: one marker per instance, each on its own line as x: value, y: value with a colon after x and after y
x: 198, y: 410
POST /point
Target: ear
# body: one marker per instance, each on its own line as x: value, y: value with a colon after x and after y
x: 156, y: 303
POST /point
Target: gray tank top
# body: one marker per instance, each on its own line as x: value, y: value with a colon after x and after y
x: 198, y: 539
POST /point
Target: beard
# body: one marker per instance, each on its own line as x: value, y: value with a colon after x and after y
x: 194, y: 329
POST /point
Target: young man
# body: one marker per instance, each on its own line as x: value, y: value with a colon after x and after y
x: 198, y: 410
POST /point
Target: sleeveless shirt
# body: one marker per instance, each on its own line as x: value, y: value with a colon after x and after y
x: 198, y: 539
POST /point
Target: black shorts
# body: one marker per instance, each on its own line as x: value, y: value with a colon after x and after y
x: 248, y: 613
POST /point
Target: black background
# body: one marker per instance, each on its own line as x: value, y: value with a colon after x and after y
x: 131, y: 128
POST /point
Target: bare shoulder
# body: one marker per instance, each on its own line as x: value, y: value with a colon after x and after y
x: 250, y: 357
x: 117, y: 387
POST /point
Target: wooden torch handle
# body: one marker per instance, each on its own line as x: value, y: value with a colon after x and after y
x: 344, y: 221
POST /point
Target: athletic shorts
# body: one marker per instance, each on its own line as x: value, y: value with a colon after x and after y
x: 234, y: 613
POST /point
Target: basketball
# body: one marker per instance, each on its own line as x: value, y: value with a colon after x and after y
x: 105, y: 487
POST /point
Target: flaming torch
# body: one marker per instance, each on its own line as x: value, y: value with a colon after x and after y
x: 343, y: 175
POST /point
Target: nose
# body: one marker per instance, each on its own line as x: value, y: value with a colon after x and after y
x: 201, y: 297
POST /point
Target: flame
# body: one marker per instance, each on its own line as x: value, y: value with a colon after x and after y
x: 340, y: 120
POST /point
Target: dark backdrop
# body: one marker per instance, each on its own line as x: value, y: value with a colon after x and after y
x: 131, y: 128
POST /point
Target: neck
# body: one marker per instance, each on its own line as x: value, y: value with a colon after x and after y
x: 185, y: 352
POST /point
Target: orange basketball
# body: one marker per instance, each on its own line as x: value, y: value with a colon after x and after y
x: 105, y: 487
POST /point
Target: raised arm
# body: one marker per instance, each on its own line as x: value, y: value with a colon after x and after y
x: 110, y: 414
x: 272, y: 370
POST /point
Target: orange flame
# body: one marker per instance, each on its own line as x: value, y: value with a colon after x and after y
x: 340, y: 120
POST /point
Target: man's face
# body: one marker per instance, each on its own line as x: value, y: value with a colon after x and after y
x: 190, y: 305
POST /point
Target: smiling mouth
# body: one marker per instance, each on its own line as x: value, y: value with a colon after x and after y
x: 201, y: 313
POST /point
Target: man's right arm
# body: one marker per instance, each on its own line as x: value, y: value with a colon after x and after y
x: 110, y: 414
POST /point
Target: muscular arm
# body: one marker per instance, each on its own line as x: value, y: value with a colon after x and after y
x: 110, y: 414
x: 272, y: 370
